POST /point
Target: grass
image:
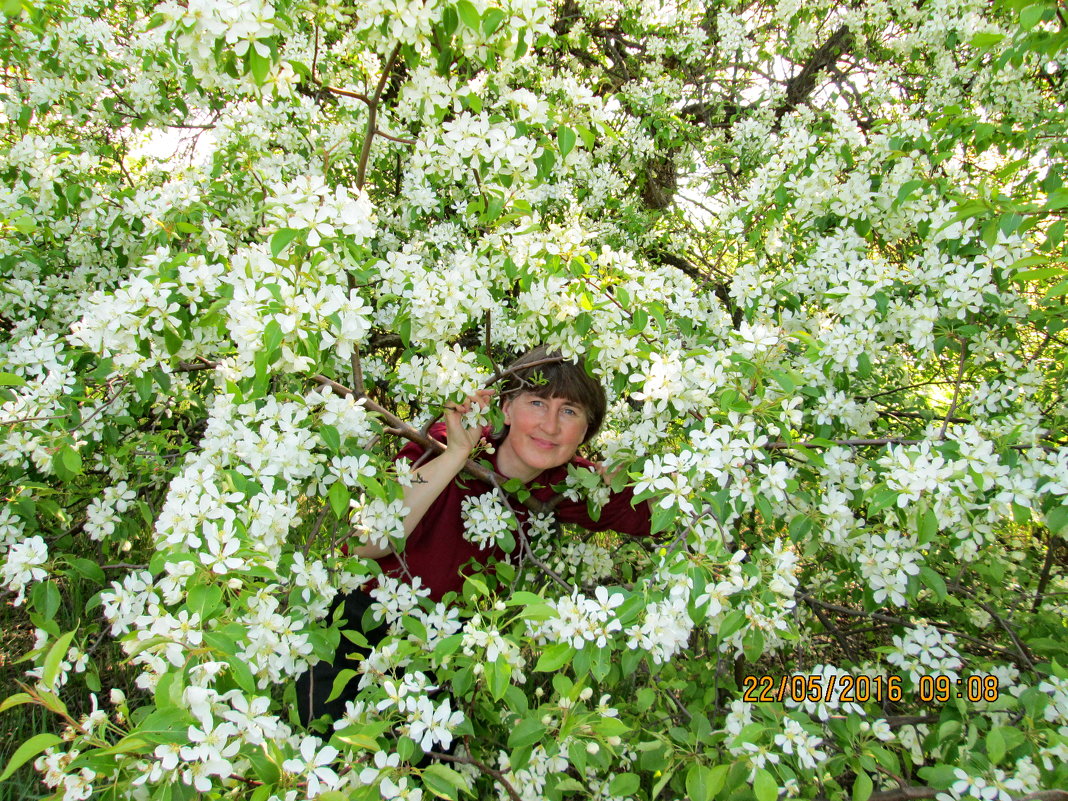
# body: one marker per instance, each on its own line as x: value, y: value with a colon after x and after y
x: 21, y: 722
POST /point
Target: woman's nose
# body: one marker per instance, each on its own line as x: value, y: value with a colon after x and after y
x: 550, y: 424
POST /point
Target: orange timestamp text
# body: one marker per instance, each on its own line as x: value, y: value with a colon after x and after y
x: 862, y: 688
x: 842, y: 687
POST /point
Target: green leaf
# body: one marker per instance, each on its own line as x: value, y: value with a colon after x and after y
x: 339, y: 498
x: 259, y: 66
x: 784, y: 380
x: 331, y: 438
x: 731, y: 400
x: 27, y: 751
x: 13, y: 8
x: 765, y: 788
x: 717, y: 778
x: 528, y: 732
x: 1032, y: 15
x: 272, y: 337
x: 1058, y: 291
x: 498, y: 677
x: 697, y: 786
x: 89, y: 569
x: 450, y: 21
x: 569, y: 785
x: 985, y: 40
x: 862, y: 787
x: 414, y: 627
x: 928, y: 526
x: 1038, y: 274
x: 731, y: 623
x: 204, y: 599
x: 11, y: 380
x: 639, y: 320
x: 443, y: 781
x: 906, y: 191
x: 266, y: 769
x: 566, y: 140
x: 524, y: 598
x: 172, y: 340
x: 554, y: 657
x: 475, y: 586
x: 242, y: 674
x: 281, y: 239
x: 15, y: 700
x: 492, y: 20
x: 54, y: 659
x: 341, y: 681
x: 624, y: 784
x: 46, y: 599
x: 661, y: 783
x: 1057, y: 519
x: 995, y: 745
x: 753, y: 644
x: 469, y: 14
x: 934, y: 582
x: 71, y: 459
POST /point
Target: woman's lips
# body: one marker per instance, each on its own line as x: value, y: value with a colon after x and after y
x: 543, y: 443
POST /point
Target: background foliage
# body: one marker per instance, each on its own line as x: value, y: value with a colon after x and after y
x: 815, y: 253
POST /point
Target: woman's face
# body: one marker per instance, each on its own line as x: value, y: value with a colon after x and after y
x: 543, y: 433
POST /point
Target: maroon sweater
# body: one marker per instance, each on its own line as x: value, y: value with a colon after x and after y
x: 436, y: 550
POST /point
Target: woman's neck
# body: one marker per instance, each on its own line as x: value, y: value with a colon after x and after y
x: 511, y: 466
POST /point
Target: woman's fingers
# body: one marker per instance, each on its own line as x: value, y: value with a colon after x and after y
x: 481, y: 397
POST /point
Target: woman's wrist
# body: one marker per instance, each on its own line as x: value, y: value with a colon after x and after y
x: 457, y: 454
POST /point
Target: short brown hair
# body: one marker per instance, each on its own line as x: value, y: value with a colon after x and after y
x: 550, y: 376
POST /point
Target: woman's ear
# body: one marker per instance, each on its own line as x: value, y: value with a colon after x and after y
x: 505, y: 407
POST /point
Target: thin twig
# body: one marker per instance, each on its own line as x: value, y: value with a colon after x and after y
x: 904, y: 794
x: 900, y: 389
x: 496, y: 775
x: 528, y: 552
x: 845, y: 443
x: 315, y: 528
x: 392, y: 138
x: 1047, y: 569
x: 845, y: 610
x: 956, y: 389
x: 843, y: 643
x: 1041, y: 348
x: 354, y: 360
x: 334, y: 90
x: 1025, y: 654
x: 372, y: 117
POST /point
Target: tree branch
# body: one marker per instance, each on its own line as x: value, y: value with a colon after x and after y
x: 496, y: 775
x: 372, y: 117
x: 801, y: 85
x: 904, y: 794
x: 956, y: 389
x: 1047, y: 569
x: 528, y: 552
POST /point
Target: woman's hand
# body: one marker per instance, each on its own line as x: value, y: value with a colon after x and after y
x: 462, y: 440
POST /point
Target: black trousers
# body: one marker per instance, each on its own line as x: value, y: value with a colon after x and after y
x: 314, y: 685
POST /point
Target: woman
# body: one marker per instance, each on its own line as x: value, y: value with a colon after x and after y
x: 551, y: 407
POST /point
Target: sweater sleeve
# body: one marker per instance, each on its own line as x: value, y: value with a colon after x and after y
x: 413, y: 450
x: 618, y: 514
